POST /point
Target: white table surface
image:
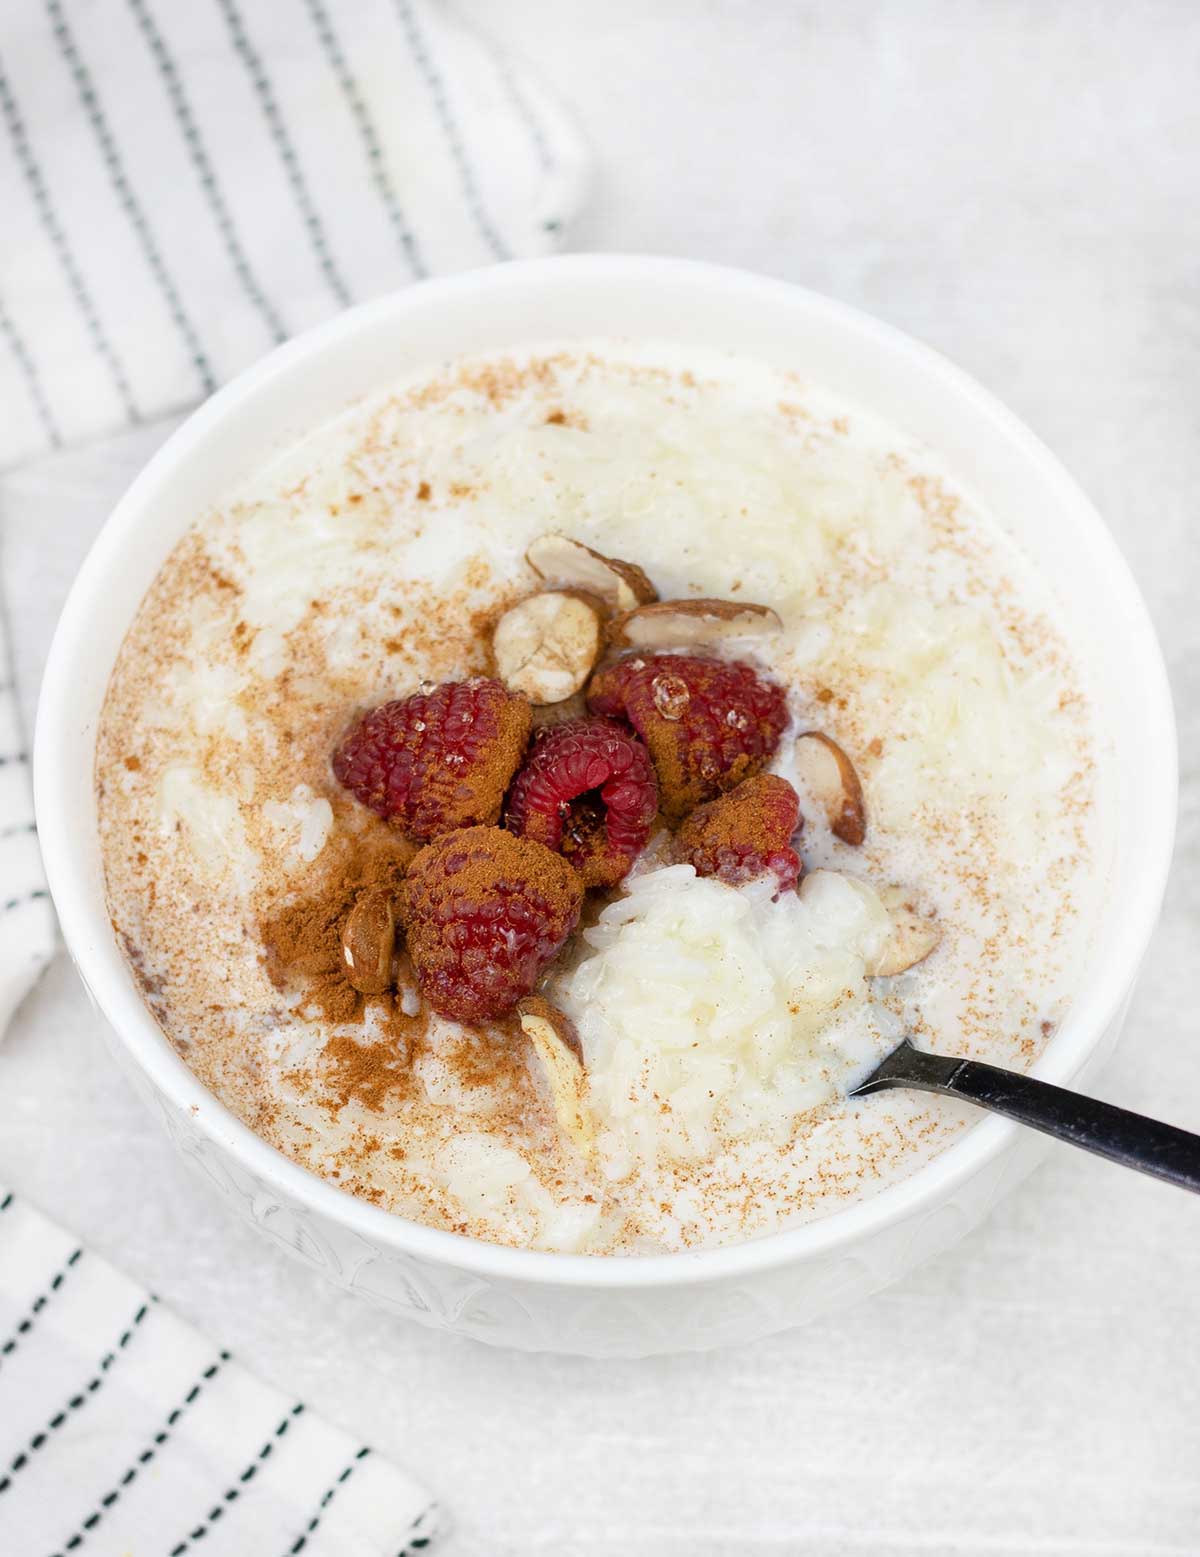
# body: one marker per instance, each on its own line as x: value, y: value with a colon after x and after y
x: 1020, y: 186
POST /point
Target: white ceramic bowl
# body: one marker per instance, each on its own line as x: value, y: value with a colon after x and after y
x: 569, y: 1302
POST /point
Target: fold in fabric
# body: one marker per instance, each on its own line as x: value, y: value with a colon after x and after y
x: 123, y: 1429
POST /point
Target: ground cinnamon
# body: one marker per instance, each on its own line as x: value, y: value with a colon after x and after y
x: 302, y: 938
x: 368, y: 1073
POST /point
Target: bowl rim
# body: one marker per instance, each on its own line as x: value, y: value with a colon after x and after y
x: 1095, y: 1007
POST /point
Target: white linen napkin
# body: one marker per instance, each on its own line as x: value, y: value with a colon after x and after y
x: 184, y: 186
x: 123, y: 1430
x: 26, y: 918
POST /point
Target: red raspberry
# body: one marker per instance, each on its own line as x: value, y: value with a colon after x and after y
x: 484, y: 912
x: 587, y: 789
x: 436, y: 760
x: 709, y: 723
x: 744, y: 834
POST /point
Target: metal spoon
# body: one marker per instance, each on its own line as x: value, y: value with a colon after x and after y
x: 1115, y: 1133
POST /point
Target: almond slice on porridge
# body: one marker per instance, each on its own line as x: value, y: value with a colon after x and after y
x: 915, y: 934
x: 833, y: 782
x: 675, y: 624
x: 558, y: 1057
x: 557, y: 559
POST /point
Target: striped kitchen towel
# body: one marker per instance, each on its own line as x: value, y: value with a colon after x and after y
x: 183, y: 186
x: 26, y: 919
x: 123, y: 1430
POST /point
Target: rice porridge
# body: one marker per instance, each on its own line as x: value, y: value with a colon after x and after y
x: 531, y: 800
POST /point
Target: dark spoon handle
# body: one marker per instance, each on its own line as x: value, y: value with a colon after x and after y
x: 1130, y: 1139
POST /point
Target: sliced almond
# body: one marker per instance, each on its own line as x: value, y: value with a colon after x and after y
x: 559, y: 1057
x: 368, y: 941
x: 547, y: 644
x: 559, y: 560
x: 833, y: 783
x: 672, y: 624
x: 914, y: 934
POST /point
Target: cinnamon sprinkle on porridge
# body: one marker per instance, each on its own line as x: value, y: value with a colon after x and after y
x: 720, y: 1020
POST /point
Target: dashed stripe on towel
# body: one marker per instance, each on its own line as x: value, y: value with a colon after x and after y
x: 301, y: 1540
x: 380, y: 176
x: 144, y: 1458
x: 287, y: 151
x: 205, y: 171
x: 52, y: 226
x: 27, y: 1324
x: 231, y: 1494
x: 145, y: 1437
x: 130, y: 204
x: 76, y: 1402
x: 32, y: 379
x: 453, y: 132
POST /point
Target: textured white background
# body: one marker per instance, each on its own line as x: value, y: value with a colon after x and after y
x: 1019, y: 185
